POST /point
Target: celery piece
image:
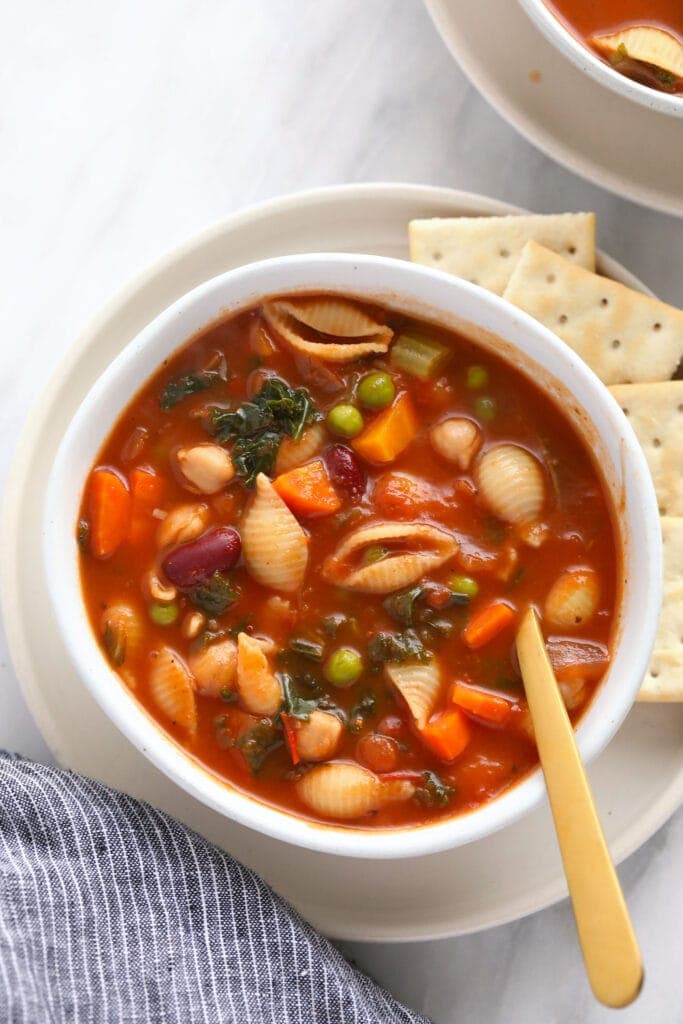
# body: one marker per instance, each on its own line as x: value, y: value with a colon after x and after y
x: 419, y: 356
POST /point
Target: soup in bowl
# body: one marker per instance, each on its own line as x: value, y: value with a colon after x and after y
x: 291, y: 531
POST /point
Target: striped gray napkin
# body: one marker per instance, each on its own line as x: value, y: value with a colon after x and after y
x: 111, y: 911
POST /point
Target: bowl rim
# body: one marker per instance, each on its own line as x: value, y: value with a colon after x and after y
x: 405, y: 284
x: 583, y: 57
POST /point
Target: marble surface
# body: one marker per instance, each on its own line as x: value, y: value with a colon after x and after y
x: 126, y: 128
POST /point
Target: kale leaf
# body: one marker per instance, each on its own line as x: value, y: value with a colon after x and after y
x: 309, y: 649
x: 258, y: 426
x: 294, y: 705
x: 214, y: 596
x: 397, y: 647
x: 401, y: 606
x: 434, y: 792
x: 365, y: 707
x: 258, y: 742
x: 178, y: 388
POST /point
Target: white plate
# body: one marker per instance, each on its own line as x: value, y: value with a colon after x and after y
x: 638, y: 780
x: 634, y: 151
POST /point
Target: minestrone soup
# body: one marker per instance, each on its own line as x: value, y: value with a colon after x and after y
x: 308, y: 541
x: 642, y: 39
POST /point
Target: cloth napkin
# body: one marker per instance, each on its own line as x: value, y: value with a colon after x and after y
x: 111, y: 911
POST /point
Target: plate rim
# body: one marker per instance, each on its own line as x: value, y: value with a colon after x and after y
x: 659, y: 811
x: 651, y: 198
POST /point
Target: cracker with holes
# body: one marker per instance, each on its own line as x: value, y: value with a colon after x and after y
x: 623, y: 335
x: 484, y: 250
x: 664, y: 680
x: 655, y: 411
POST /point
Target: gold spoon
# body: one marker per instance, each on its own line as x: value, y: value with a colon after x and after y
x: 608, y: 943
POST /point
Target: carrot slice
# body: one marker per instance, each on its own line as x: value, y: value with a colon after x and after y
x: 389, y: 433
x: 290, y: 738
x: 487, y: 623
x: 307, y: 490
x: 146, y: 488
x: 481, y: 704
x: 109, y: 506
x: 448, y: 734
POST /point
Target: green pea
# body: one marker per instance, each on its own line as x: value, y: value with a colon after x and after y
x: 164, y: 614
x: 486, y: 409
x: 464, y: 585
x: 374, y: 553
x: 345, y: 420
x: 477, y: 377
x: 376, y: 390
x: 343, y: 667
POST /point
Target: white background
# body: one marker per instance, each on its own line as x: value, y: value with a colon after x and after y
x: 126, y: 127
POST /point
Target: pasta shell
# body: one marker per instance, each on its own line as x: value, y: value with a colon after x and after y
x: 294, y: 453
x: 258, y: 687
x: 511, y: 483
x: 419, y: 685
x: 644, y: 43
x: 457, y: 440
x: 214, y: 667
x: 122, y: 632
x: 170, y: 685
x: 204, y: 468
x: 295, y: 334
x: 573, y: 598
x: 342, y: 790
x: 182, y: 524
x: 400, y: 567
x: 274, y: 545
x: 318, y: 738
x: 337, y: 317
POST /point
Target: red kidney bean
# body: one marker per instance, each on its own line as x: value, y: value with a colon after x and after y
x: 194, y: 563
x: 345, y: 470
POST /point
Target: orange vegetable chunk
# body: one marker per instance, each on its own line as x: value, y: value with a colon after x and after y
x: 486, y: 624
x: 389, y: 434
x: 484, y: 705
x: 146, y: 488
x: 447, y: 734
x: 307, y: 490
x: 109, y: 507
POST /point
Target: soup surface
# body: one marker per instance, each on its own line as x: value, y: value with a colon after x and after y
x: 307, y: 542
x: 592, y: 19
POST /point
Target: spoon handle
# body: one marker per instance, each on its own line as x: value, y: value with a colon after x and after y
x: 609, y: 945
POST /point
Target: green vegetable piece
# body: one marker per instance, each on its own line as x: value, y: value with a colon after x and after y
x: 419, y: 356
x: 486, y: 409
x: 374, y: 553
x: 164, y: 614
x: 401, y: 606
x: 190, y: 384
x: 434, y: 792
x: 333, y: 623
x: 464, y: 585
x: 376, y: 390
x: 216, y: 595
x: 258, y: 426
x: 396, y: 647
x: 477, y: 377
x: 307, y: 648
x: 258, y: 742
x: 364, y: 708
x: 293, y: 703
x: 343, y: 667
x: 345, y: 420
x: 227, y: 695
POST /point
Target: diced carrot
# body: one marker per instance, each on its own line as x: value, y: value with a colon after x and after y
x: 146, y: 488
x: 307, y: 490
x: 484, y: 705
x: 290, y: 738
x: 389, y: 433
x: 447, y: 734
x: 395, y: 494
x: 109, y: 505
x: 487, y: 623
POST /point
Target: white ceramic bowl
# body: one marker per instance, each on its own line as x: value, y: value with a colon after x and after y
x: 420, y: 292
x: 567, y: 43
